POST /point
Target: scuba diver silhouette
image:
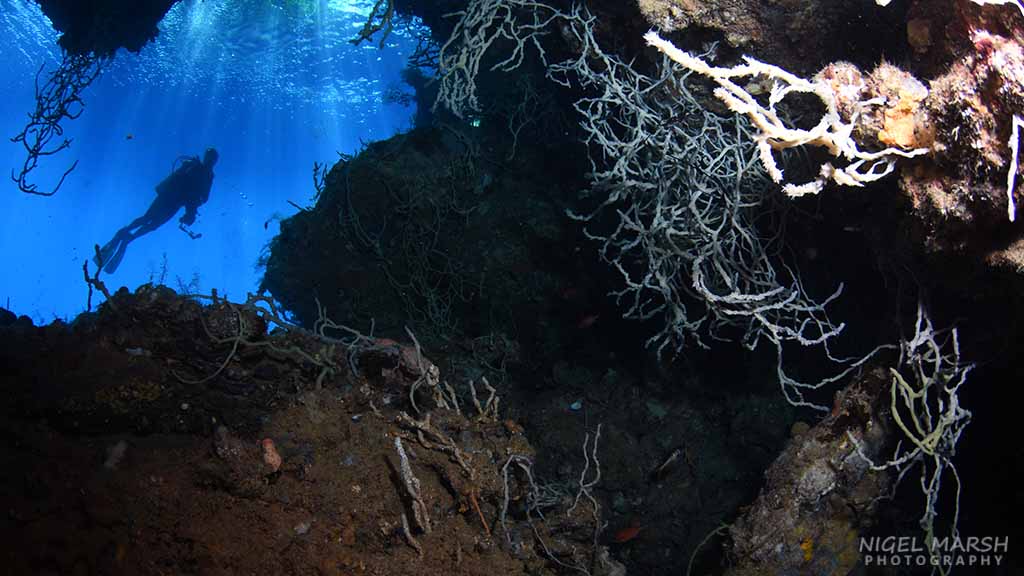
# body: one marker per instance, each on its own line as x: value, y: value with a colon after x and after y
x: 187, y: 186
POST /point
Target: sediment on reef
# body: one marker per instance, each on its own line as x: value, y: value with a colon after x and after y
x: 163, y: 434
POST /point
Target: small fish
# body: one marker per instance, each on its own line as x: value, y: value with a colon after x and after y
x: 628, y: 533
x: 129, y: 136
x: 661, y: 472
x: 587, y: 321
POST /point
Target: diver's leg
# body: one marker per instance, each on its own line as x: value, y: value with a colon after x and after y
x: 141, y: 220
x: 159, y: 212
x: 146, y: 228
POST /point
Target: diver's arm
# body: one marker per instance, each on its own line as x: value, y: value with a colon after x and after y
x: 201, y: 195
x: 190, y: 215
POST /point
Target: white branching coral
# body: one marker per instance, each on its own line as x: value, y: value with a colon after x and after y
x: 519, y: 22
x: 1016, y: 3
x: 1011, y: 174
x: 925, y: 406
x: 832, y: 132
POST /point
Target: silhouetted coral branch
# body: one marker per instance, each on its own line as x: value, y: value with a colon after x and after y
x: 94, y: 280
x: 59, y: 98
x: 381, y: 18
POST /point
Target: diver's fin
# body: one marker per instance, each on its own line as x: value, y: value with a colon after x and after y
x: 111, y: 265
x: 101, y: 259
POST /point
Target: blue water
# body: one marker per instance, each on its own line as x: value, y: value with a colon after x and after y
x: 274, y: 85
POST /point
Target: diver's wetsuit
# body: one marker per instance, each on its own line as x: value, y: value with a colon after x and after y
x: 187, y: 186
